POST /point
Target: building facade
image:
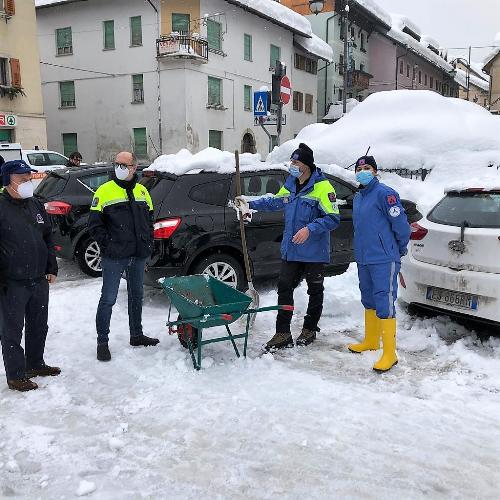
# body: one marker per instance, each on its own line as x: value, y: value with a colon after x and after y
x: 492, y: 68
x: 473, y: 85
x: 21, y: 105
x: 159, y: 76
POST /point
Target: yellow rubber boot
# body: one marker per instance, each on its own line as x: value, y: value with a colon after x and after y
x: 389, y: 358
x: 371, y: 341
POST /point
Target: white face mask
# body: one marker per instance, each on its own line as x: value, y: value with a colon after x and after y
x: 25, y: 189
x: 121, y: 173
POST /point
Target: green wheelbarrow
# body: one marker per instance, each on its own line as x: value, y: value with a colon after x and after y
x: 204, y: 302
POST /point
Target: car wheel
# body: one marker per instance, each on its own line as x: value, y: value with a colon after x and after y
x: 223, y: 267
x: 185, y: 331
x: 89, y: 257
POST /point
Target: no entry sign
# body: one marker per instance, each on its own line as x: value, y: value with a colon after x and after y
x: 285, y: 90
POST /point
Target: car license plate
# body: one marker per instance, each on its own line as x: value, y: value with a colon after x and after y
x: 451, y: 298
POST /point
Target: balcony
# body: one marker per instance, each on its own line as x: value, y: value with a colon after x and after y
x: 188, y: 46
x: 360, y: 80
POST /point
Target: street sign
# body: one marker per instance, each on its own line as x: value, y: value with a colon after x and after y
x: 285, y: 90
x: 260, y: 103
x: 8, y: 120
x: 268, y: 120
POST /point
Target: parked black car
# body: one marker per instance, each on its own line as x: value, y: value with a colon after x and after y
x: 67, y: 194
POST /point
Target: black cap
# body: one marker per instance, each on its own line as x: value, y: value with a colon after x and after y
x: 367, y: 160
x: 14, y: 167
x: 304, y: 154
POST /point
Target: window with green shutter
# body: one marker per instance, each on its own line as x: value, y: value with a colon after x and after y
x: 137, y: 88
x: 64, y: 41
x: 6, y: 135
x: 215, y: 139
x: 70, y: 143
x: 214, y: 35
x: 214, y: 91
x: 140, y: 143
x: 247, y: 96
x: 135, y: 31
x: 247, y: 47
x: 275, y: 55
x: 67, y: 94
x: 108, y: 28
x: 180, y: 23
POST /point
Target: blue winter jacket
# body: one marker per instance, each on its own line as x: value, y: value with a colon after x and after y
x: 381, y: 229
x: 315, y: 206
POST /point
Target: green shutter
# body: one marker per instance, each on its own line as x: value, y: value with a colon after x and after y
x: 180, y: 23
x: 275, y: 56
x: 64, y: 41
x: 70, y: 143
x: 247, y: 98
x: 140, y: 143
x: 135, y: 30
x: 214, y: 33
x: 247, y: 50
x: 67, y: 91
x: 215, y: 139
x: 109, y: 34
x: 5, y: 135
x: 214, y: 90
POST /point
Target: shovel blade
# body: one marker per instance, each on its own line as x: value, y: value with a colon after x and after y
x: 252, y: 293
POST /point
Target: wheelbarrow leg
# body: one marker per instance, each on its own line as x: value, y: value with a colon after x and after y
x: 232, y: 341
x: 199, y: 348
x: 246, y: 337
x: 191, y: 351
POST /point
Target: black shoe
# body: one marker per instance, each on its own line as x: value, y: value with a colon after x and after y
x: 279, y: 341
x: 22, y: 384
x: 103, y: 353
x: 143, y: 340
x: 43, y: 371
x: 306, y: 337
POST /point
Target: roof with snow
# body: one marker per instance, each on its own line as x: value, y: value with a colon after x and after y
x: 375, y: 10
x: 461, y: 78
x: 491, y: 57
x: 50, y: 3
x: 315, y: 46
x: 276, y: 13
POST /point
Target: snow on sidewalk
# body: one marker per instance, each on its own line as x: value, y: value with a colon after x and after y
x: 313, y: 422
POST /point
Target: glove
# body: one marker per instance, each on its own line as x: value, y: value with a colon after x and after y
x: 242, y: 209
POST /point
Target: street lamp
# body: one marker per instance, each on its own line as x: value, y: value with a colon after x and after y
x: 316, y: 6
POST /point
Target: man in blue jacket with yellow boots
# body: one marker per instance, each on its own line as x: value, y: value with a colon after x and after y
x: 311, y: 212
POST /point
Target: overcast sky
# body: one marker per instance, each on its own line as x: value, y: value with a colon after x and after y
x: 453, y: 23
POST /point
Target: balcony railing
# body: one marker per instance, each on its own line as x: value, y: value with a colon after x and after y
x: 182, y: 45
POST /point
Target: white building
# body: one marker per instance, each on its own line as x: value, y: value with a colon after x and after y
x: 156, y: 76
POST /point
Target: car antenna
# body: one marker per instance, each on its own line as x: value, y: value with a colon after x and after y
x: 352, y: 164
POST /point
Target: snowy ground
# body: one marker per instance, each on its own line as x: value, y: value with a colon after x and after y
x: 309, y: 423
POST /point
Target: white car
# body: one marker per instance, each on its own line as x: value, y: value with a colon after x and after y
x: 43, y: 160
x: 453, y: 263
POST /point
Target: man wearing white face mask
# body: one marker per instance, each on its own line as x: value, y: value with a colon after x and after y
x: 121, y: 221
x: 27, y: 266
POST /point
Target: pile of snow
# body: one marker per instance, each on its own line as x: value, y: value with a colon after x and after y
x: 336, y: 110
x: 278, y: 13
x: 410, y: 129
x: 376, y: 10
x: 315, y: 45
x: 429, y: 41
x: 400, y: 22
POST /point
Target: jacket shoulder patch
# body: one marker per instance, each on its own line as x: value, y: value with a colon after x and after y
x: 391, y: 199
x: 95, y: 201
x: 332, y: 197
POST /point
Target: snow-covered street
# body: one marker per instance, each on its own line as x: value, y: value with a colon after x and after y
x: 313, y: 422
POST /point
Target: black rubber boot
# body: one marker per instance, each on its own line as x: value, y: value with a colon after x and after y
x: 143, y: 340
x: 103, y: 353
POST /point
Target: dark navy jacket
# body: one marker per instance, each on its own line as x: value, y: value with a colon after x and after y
x: 381, y: 229
x: 26, y: 247
x: 314, y: 206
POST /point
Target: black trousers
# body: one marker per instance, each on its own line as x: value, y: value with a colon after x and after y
x: 23, y: 306
x: 291, y: 274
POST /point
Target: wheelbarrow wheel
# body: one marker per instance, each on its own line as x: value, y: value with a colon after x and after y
x: 187, y: 331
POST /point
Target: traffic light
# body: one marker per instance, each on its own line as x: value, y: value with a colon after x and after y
x: 279, y: 73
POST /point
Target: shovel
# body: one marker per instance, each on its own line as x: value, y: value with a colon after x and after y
x: 251, y: 292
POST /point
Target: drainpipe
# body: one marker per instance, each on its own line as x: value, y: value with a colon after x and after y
x: 326, y: 67
x: 160, y: 135
x: 397, y: 65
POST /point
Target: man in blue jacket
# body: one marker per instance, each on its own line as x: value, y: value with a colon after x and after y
x: 311, y: 212
x: 381, y: 234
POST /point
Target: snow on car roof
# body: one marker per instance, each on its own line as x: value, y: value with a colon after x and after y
x: 412, y: 129
x: 316, y: 46
x: 277, y: 13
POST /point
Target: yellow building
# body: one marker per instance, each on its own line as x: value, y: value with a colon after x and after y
x: 492, y: 67
x: 21, y: 105
x: 473, y: 85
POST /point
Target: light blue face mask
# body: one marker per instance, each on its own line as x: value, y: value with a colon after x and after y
x: 294, y: 171
x: 364, y: 177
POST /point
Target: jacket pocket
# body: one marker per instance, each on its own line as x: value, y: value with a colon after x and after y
x: 383, y: 244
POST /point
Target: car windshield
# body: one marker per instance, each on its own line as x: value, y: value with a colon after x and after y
x: 474, y: 209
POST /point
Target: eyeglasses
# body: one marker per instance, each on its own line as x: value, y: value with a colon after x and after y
x: 122, y: 165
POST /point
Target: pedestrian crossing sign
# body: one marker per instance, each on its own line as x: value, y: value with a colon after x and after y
x: 260, y: 103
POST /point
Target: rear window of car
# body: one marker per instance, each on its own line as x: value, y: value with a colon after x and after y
x: 158, y: 188
x: 341, y: 190
x: 471, y: 209
x: 52, y: 185
x: 95, y: 181
x: 211, y: 193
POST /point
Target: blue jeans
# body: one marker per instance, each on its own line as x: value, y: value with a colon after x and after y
x: 112, y: 270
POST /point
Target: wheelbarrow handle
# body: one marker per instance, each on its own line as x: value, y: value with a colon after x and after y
x: 200, y: 319
x: 270, y: 308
